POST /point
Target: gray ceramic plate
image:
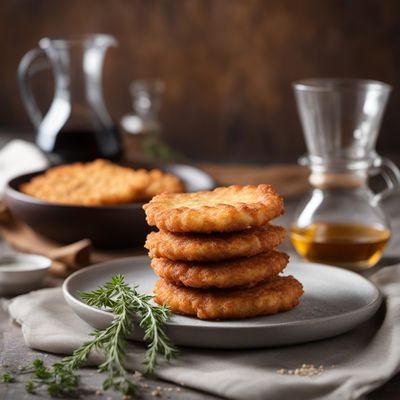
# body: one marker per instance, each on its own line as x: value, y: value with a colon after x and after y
x: 334, y: 302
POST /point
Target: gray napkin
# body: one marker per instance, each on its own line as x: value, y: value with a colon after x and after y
x: 354, y: 363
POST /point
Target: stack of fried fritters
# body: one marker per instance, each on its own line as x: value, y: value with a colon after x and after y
x: 215, y: 253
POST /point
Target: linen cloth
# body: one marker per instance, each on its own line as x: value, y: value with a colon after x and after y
x: 19, y: 157
x: 354, y: 363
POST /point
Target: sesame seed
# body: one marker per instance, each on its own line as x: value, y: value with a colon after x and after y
x: 307, y: 370
x: 156, y: 393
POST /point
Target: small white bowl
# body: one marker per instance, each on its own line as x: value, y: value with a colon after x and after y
x: 21, y: 273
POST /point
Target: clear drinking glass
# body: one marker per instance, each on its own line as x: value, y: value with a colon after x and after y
x: 341, y: 221
x: 77, y: 125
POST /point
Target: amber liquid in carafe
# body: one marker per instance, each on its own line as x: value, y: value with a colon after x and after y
x: 347, y: 245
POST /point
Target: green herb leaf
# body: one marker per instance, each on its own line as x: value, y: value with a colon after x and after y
x: 6, y: 378
x: 59, y: 380
x: 30, y: 387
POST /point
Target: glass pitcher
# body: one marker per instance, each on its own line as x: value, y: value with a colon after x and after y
x: 77, y: 126
x: 341, y: 221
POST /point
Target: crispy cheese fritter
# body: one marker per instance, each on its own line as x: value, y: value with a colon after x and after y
x: 270, y: 297
x: 214, y: 247
x: 246, y: 271
x: 224, y: 209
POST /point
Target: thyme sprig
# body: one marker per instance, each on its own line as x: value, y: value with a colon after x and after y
x: 124, y: 301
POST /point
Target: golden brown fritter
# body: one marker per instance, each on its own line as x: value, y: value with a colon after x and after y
x: 161, y: 182
x: 224, y: 209
x: 269, y: 297
x: 214, y: 247
x: 99, y: 183
x: 246, y: 271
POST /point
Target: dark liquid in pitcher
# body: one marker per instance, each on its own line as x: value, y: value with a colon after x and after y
x: 87, y: 145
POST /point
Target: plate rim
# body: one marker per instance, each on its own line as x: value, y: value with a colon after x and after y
x: 376, y: 302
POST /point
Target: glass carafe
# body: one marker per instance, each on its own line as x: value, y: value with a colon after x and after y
x: 341, y: 221
x: 77, y: 126
x: 143, y: 128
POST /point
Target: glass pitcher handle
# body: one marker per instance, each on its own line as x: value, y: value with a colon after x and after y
x: 26, y: 69
x: 391, y: 175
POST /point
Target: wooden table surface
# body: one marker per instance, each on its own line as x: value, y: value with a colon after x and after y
x: 15, y: 353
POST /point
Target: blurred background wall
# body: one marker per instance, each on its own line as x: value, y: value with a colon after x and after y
x: 227, y: 64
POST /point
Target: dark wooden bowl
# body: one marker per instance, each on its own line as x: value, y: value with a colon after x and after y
x: 111, y: 226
